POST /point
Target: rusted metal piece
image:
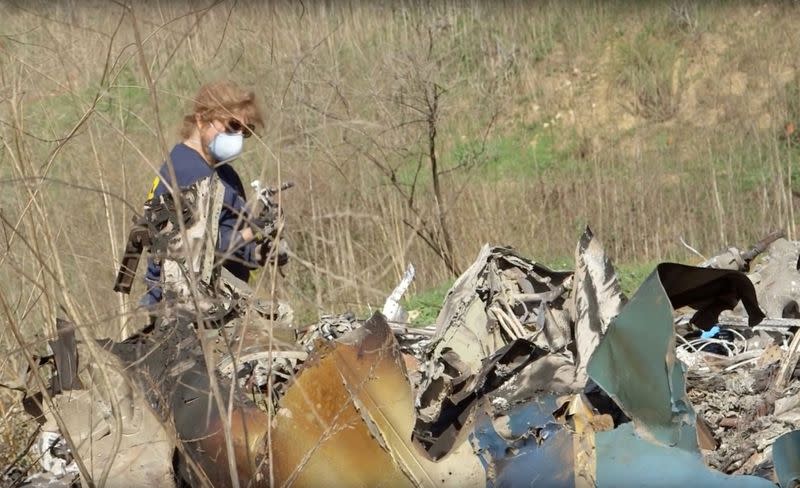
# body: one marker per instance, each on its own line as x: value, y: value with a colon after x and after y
x: 705, y: 436
x: 347, y: 421
x: 168, y: 365
x: 199, y: 426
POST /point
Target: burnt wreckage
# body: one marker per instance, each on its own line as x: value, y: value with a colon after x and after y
x: 529, y: 376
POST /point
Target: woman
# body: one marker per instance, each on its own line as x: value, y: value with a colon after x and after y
x: 223, y: 115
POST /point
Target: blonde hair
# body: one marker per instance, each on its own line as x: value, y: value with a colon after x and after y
x: 220, y: 100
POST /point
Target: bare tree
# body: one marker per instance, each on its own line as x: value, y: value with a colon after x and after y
x: 414, y: 112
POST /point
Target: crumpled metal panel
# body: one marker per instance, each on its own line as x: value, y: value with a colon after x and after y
x: 465, y: 325
x: 461, y: 324
x: 441, y: 434
x: 530, y: 444
x: 347, y: 421
x: 501, y: 298
x: 635, y: 364
x: 557, y: 314
x: 777, y: 279
x: 596, y: 298
x: 553, y: 373
x: 709, y: 291
x: 786, y: 457
x: 168, y: 365
x: 526, y: 446
x: 626, y: 459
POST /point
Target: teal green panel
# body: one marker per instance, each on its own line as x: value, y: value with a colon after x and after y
x: 786, y: 457
x: 635, y: 364
x: 625, y: 459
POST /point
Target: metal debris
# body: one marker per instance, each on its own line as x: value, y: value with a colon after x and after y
x: 626, y: 459
x: 347, y: 421
x: 786, y: 453
x: 503, y: 298
x: 635, y: 364
x: 526, y: 444
x: 743, y: 379
x: 171, y: 367
x: 641, y: 390
x: 530, y: 375
x: 391, y: 308
x: 136, y: 451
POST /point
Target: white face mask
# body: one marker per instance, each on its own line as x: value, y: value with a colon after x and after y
x: 224, y: 146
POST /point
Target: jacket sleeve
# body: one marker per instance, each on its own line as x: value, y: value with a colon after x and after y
x: 230, y: 244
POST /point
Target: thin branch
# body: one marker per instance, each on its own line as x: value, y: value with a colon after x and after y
x: 30, y: 179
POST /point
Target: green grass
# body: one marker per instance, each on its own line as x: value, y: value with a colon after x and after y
x: 747, y: 162
x: 426, y: 304
x: 524, y: 153
x: 504, y: 157
x: 631, y: 275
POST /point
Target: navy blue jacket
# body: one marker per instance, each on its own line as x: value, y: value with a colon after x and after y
x: 190, y: 167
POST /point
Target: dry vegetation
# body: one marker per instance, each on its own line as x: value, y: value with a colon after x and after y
x: 648, y: 122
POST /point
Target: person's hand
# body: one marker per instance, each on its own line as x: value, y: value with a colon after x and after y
x: 247, y: 234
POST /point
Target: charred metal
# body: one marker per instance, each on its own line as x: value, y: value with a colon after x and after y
x: 528, y: 375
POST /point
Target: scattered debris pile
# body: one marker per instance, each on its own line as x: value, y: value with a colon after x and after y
x: 530, y: 374
x: 744, y: 380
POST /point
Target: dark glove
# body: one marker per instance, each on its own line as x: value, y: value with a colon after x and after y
x: 269, y: 252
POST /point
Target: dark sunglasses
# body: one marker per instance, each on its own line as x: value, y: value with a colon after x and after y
x: 233, y: 126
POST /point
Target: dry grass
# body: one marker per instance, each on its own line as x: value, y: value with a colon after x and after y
x: 646, y: 122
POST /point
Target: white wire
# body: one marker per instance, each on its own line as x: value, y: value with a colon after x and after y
x: 696, y: 347
x: 739, y: 334
x: 742, y: 363
x: 694, y: 350
x: 703, y: 343
x: 708, y: 342
x: 685, y: 342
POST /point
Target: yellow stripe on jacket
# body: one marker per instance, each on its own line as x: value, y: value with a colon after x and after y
x: 152, y: 191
